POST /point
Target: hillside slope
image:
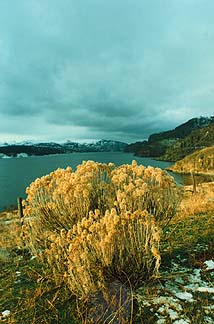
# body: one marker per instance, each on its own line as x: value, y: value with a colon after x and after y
x: 198, y: 139
x: 201, y: 161
x: 174, y: 144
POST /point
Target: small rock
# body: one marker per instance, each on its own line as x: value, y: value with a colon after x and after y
x: 5, y: 313
x: 185, y: 296
x: 209, y: 264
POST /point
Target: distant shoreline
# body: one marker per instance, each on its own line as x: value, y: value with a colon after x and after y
x: 188, y: 173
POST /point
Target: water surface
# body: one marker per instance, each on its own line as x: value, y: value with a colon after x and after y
x: 17, y: 173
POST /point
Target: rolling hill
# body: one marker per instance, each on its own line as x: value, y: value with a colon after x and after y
x: 175, y: 144
x: 200, y: 162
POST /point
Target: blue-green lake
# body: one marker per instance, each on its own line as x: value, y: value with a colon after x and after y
x: 17, y: 173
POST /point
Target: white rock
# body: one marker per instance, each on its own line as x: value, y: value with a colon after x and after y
x: 209, y: 264
x: 162, y: 309
x: 173, y: 314
x: 185, y: 296
x: 161, y: 321
x: 206, y: 289
x: 5, y: 313
x: 182, y: 321
x: 208, y: 320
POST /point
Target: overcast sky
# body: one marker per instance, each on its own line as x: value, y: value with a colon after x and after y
x: 111, y: 69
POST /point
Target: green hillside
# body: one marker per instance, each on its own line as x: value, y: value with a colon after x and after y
x: 198, y: 139
x: 201, y: 161
x: 174, y: 144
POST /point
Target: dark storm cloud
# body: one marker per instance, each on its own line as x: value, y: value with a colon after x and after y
x: 113, y: 69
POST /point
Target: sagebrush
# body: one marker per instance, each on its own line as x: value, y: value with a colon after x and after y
x: 100, y: 222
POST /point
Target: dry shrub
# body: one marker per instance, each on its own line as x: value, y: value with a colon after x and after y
x: 100, y: 222
x: 62, y: 198
x: 98, y: 250
x: 151, y: 189
x: 197, y: 203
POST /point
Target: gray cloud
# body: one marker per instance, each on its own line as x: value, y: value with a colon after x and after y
x: 104, y: 69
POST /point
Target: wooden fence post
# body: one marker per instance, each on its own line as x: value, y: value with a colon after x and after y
x: 21, y: 216
x: 20, y: 208
x: 194, y: 184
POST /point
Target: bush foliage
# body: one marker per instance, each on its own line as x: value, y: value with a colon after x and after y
x: 100, y: 222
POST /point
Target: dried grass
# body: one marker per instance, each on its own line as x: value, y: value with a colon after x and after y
x: 202, y: 201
